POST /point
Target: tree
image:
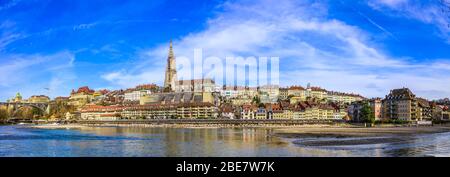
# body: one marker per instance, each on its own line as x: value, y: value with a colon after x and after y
x: 256, y: 100
x: 3, y: 115
x: 261, y: 105
x: 366, y: 114
x: 289, y: 97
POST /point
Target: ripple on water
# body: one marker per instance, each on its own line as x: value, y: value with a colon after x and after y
x: 114, y: 141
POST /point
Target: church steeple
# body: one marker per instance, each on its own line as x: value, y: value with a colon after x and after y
x: 171, y: 55
x: 171, y: 71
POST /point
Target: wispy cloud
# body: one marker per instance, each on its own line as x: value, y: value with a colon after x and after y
x: 9, y: 4
x: 426, y: 11
x: 31, y: 72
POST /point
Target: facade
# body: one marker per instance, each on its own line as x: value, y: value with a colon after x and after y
x: 269, y: 93
x: 261, y: 113
x: 229, y: 93
x: 440, y: 112
x: 95, y: 112
x: 81, y: 97
x: 136, y: 95
x: 424, y: 110
x: 171, y: 111
x: 241, y: 101
x: 227, y: 111
x: 297, y: 91
x: 39, y: 99
x: 339, y: 97
x: 354, y: 109
x: 284, y: 93
x: 176, y: 98
x: 195, y: 85
x: 310, y: 110
x: 248, y: 111
x: 401, y: 104
x: 304, y: 110
x: 316, y: 92
x: 197, y: 111
x: 232, y: 92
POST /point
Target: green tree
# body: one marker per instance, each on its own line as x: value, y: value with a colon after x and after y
x: 256, y: 100
x: 3, y: 115
x: 366, y: 114
x: 261, y: 105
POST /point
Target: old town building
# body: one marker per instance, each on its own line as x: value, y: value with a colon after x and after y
x: 38, y: 99
x: 96, y: 112
x: 81, y: 97
x: 195, y: 85
x: 401, y: 104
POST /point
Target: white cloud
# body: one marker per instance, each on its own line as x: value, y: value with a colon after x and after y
x: 312, y: 48
x: 31, y: 73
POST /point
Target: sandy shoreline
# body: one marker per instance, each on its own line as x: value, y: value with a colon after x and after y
x: 358, y: 132
x: 314, y: 137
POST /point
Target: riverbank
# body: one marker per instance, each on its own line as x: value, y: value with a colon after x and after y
x: 311, y: 135
x: 78, y: 125
x: 56, y: 126
x: 359, y: 131
x: 288, y: 131
x: 320, y: 137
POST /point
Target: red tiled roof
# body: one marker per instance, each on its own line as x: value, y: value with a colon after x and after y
x: 84, y: 89
x: 318, y: 89
x: 296, y: 88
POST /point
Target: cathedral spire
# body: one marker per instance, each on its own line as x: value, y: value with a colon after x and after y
x: 171, y: 55
x: 171, y: 72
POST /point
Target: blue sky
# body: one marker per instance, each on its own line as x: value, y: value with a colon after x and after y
x: 366, y: 47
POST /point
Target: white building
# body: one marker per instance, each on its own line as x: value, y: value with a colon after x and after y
x: 196, y: 85
x: 136, y: 95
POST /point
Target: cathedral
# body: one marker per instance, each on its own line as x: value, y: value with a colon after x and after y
x: 172, y: 84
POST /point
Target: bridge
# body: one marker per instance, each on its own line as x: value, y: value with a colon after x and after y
x: 16, y: 106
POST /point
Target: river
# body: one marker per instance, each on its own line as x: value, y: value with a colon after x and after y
x: 22, y: 141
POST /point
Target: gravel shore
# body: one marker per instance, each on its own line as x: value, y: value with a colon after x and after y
x: 357, y: 132
x: 319, y: 137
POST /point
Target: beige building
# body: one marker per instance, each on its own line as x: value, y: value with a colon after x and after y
x: 284, y: 93
x: 316, y: 92
x: 195, y: 85
x: 401, y: 104
x: 339, y: 97
x: 176, y: 98
x: 81, y: 97
x: 269, y: 93
x: 39, y: 99
x: 310, y: 110
x: 171, y: 111
x: 95, y: 112
x: 135, y: 95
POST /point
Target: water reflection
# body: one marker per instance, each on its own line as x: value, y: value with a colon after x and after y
x: 204, y: 142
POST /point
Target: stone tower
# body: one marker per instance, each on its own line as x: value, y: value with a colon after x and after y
x: 171, y: 71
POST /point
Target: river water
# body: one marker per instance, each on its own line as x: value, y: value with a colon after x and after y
x: 21, y: 141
